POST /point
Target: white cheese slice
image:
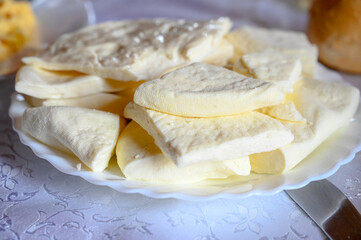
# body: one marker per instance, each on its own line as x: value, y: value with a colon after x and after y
x: 187, y: 140
x: 271, y: 66
x: 285, y: 111
x: 204, y: 90
x: 255, y: 39
x: 326, y: 106
x: 221, y: 54
x: 40, y: 83
x: 90, y: 134
x: 133, y: 49
x: 107, y: 102
x: 140, y: 159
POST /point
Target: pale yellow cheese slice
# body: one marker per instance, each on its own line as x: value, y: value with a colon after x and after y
x: 221, y: 54
x: 255, y: 39
x: 107, y: 102
x: 285, y: 111
x: 188, y: 141
x: 271, y: 66
x: 140, y: 159
x: 40, y: 83
x: 90, y: 134
x: 133, y: 49
x: 326, y: 107
x: 204, y: 90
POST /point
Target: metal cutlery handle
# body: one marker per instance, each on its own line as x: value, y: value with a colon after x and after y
x: 330, y: 209
x: 345, y: 223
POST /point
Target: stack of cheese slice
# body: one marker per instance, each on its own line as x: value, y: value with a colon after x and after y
x: 190, y: 120
x: 48, y: 88
x: 200, y: 115
x: 181, y: 142
x: 326, y: 107
x: 136, y: 50
x: 140, y: 158
x: 312, y: 109
x: 99, y: 67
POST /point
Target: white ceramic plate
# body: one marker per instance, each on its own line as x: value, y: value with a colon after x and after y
x: 337, y: 150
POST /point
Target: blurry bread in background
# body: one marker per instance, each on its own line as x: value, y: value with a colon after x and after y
x: 304, y: 4
x: 18, y: 27
x: 335, y: 27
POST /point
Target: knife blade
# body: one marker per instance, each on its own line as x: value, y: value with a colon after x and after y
x: 329, y: 208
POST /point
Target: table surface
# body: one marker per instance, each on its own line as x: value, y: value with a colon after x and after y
x: 39, y: 202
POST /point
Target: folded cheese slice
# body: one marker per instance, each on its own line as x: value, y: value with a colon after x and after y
x: 107, y: 102
x: 133, y: 49
x: 326, y: 107
x: 40, y: 83
x: 188, y: 141
x: 140, y: 159
x: 254, y: 39
x: 90, y: 134
x: 271, y: 66
x: 204, y: 90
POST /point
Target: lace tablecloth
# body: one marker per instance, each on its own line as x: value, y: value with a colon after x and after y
x: 39, y: 202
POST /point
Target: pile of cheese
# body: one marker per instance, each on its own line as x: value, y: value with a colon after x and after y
x: 202, y: 102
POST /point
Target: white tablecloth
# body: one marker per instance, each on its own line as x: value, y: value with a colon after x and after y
x: 39, y: 202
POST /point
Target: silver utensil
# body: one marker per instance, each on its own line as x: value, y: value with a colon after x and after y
x: 329, y: 208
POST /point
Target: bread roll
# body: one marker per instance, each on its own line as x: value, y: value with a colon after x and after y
x: 335, y: 26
